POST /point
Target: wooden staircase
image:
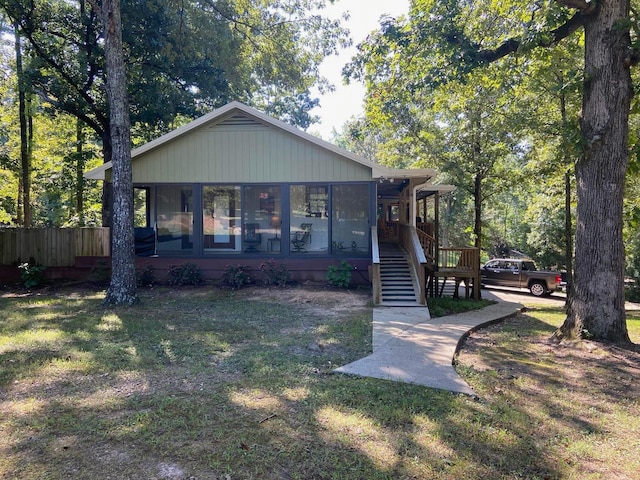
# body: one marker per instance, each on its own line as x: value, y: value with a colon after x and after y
x: 397, y: 283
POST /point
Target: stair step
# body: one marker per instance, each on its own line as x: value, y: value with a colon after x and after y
x: 397, y: 285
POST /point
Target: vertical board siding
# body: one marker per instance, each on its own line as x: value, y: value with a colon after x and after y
x: 244, y: 154
x: 52, y: 247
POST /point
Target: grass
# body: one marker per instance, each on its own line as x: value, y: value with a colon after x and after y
x: 441, y: 306
x: 210, y: 384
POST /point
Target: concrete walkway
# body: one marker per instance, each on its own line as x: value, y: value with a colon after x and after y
x: 409, y: 346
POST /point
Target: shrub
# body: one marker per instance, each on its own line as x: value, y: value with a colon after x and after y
x: 145, y: 276
x: 101, y: 272
x: 186, y: 274
x: 276, y: 274
x: 31, y: 275
x: 339, y: 275
x: 237, y: 276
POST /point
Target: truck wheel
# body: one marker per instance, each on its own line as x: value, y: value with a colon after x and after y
x: 537, y: 289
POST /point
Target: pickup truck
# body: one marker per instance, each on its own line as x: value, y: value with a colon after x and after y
x: 520, y: 273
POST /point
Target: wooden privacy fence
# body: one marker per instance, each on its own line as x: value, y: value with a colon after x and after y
x: 52, y: 247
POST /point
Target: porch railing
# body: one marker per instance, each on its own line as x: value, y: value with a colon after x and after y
x: 461, y: 264
x: 428, y: 244
x: 387, y: 230
x: 466, y: 259
x: 376, y: 281
x: 410, y: 241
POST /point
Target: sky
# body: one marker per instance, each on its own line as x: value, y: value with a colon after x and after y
x: 346, y: 101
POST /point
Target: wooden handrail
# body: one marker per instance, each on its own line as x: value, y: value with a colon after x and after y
x: 428, y: 243
x: 418, y: 261
x: 374, y: 275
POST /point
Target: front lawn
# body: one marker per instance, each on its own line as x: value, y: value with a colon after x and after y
x: 200, y: 383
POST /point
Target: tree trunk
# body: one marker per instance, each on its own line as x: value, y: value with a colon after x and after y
x: 122, y: 289
x: 26, y: 129
x: 107, y: 187
x: 477, y: 182
x: 477, y: 204
x: 80, y: 163
x: 568, y: 232
x: 596, y: 304
x: 568, y: 224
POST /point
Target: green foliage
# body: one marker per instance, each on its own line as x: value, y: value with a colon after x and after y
x: 275, y: 274
x: 182, y: 61
x: 340, y: 275
x: 146, y: 276
x: 185, y: 274
x: 237, y: 276
x: 31, y: 275
x: 502, y: 131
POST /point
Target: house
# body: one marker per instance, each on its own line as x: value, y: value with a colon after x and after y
x: 237, y: 186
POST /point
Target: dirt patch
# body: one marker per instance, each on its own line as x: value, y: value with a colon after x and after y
x: 317, y: 298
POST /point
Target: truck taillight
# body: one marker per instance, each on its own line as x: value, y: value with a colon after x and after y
x: 558, y: 279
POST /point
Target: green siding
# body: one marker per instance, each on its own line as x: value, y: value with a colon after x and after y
x: 244, y: 154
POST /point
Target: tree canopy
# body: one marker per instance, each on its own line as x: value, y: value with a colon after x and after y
x: 183, y: 59
x: 411, y: 61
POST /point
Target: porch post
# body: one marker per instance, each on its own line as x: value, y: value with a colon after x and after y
x: 436, y: 228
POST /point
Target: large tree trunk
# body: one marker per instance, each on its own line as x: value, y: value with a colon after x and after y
x: 596, y: 304
x: 122, y: 289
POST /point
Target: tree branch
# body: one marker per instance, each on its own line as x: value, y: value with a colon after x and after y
x: 555, y: 36
x: 585, y: 6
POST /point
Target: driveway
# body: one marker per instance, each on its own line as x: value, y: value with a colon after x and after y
x: 557, y: 299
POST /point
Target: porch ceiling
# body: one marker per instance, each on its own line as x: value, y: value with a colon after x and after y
x: 393, y: 187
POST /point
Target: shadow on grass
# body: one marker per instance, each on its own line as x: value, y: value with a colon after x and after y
x: 207, y: 384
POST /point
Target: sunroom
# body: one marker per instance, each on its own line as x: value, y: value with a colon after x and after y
x: 237, y: 186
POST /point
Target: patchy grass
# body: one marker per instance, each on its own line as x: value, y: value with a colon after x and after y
x: 441, y: 306
x: 198, y: 383
x: 577, y: 404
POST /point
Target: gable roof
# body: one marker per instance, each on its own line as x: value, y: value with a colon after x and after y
x: 235, y: 113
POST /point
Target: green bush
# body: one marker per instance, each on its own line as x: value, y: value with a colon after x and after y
x: 146, y: 276
x: 186, y: 274
x: 31, y: 275
x: 237, y: 276
x: 275, y: 274
x: 340, y: 275
x: 101, y: 272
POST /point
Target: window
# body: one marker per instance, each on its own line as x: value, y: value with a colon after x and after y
x: 174, y: 216
x: 350, y: 219
x: 317, y: 200
x: 262, y: 219
x: 309, y: 219
x: 221, y: 219
x: 140, y: 207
